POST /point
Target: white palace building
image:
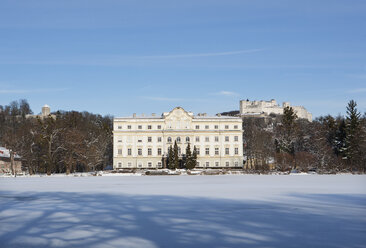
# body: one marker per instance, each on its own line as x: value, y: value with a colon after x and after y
x: 143, y: 141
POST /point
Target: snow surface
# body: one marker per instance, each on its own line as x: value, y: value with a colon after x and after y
x: 184, y: 211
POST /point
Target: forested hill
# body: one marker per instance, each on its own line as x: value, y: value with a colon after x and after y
x: 73, y: 141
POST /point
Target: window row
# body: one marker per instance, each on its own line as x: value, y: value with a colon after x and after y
x: 207, y: 127
x: 141, y: 165
x: 140, y: 127
x: 159, y: 164
x: 179, y: 140
x: 159, y: 127
x: 159, y: 151
x: 217, y: 164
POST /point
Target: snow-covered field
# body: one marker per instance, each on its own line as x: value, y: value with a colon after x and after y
x: 184, y: 211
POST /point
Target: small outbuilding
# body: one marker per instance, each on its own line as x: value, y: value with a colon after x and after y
x: 5, y: 163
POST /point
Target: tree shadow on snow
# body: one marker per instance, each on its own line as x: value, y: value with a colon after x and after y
x: 105, y: 220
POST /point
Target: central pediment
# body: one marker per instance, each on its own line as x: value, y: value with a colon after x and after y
x: 178, y: 118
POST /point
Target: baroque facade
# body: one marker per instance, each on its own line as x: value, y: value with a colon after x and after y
x: 248, y: 108
x: 143, y: 142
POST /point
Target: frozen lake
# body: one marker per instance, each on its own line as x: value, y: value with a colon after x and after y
x: 184, y: 211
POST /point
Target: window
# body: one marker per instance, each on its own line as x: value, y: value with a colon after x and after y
x: 236, y: 163
x: 149, y: 164
x: 149, y: 139
x: 198, y: 164
x: 159, y: 126
x: 197, y: 127
x: 216, y: 126
x: 207, y: 164
x: 159, y: 165
x: 198, y: 151
x: 149, y: 151
x: 236, y: 151
x: 227, y: 163
x: 198, y: 139
x: 227, y: 151
x: 140, y: 164
x: 139, y: 152
x: 119, y: 164
x: 159, y: 139
x: 169, y: 140
x: 207, y: 139
x: 119, y: 151
x: 217, y: 164
x: 227, y: 138
x: 226, y: 126
x: 178, y: 139
x: 236, y: 127
x: 216, y: 151
x: 129, y: 164
x: 188, y: 139
x: 179, y: 151
x: 140, y: 140
x: 129, y: 151
x: 216, y: 138
x: 207, y: 151
x: 236, y: 138
x: 139, y: 127
x: 207, y: 127
x: 129, y: 127
x: 149, y: 127
x: 119, y: 141
x: 159, y: 151
x: 119, y: 127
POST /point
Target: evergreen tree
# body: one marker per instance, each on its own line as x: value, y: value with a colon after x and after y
x: 175, y: 156
x: 285, y: 139
x: 353, y: 139
x: 189, y: 158
x: 340, y: 138
x: 194, y: 157
x: 170, y: 158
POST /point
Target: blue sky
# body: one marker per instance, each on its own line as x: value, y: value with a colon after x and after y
x: 121, y: 57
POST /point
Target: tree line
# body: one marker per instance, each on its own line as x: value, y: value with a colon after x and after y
x: 326, y: 145
x: 82, y: 141
x: 71, y: 142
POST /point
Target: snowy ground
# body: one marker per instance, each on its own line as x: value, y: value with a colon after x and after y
x: 184, y: 211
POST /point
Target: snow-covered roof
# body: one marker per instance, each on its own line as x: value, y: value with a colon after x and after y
x: 5, y: 153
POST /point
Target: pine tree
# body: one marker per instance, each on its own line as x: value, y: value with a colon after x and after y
x: 194, y: 157
x: 340, y: 138
x: 170, y: 158
x: 175, y: 156
x: 189, y: 158
x: 353, y: 139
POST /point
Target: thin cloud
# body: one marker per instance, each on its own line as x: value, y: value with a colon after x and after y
x: 30, y: 91
x: 195, y: 55
x: 225, y: 93
x: 359, y: 90
x: 163, y: 99
x: 120, y: 60
x: 168, y: 99
x: 358, y: 76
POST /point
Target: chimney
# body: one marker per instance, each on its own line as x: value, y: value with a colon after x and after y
x: 134, y: 115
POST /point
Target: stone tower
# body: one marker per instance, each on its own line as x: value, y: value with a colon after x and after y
x: 46, y: 110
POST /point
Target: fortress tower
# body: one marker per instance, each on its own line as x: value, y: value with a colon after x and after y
x: 271, y: 107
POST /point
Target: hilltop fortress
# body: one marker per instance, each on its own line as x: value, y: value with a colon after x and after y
x: 265, y: 108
